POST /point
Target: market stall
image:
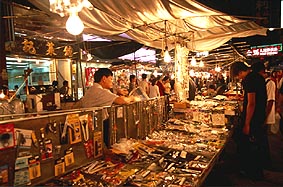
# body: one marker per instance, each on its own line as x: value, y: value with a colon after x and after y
x: 148, y: 145
x: 66, y: 147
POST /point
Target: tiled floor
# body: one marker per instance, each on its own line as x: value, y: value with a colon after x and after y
x: 226, y: 171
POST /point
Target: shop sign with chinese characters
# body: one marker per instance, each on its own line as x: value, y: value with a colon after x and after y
x: 44, y: 48
x: 265, y: 50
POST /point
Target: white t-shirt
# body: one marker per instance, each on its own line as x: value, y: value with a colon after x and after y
x: 144, y: 86
x: 96, y: 96
x: 271, y: 89
x: 154, y: 91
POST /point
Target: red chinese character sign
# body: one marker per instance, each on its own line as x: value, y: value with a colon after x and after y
x: 266, y: 50
x: 89, y: 76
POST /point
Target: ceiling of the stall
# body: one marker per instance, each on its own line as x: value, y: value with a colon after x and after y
x: 143, y: 21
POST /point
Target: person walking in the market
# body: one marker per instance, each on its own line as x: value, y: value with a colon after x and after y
x: 251, y: 136
x: 270, y: 114
x: 133, y: 83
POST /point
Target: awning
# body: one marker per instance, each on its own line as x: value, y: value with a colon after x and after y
x: 188, y: 22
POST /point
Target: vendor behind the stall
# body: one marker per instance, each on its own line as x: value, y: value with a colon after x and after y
x: 99, y: 95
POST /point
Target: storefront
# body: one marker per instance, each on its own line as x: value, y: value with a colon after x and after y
x: 44, y: 71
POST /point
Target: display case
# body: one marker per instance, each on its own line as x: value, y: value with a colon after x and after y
x: 64, y: 148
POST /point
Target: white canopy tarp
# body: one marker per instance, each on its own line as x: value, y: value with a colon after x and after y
x: 188, y: 22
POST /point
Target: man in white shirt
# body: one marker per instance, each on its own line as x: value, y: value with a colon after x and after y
x: 270, y: 114
x: 144, y: 85
x: 99, y: 95
x: 270, y: 107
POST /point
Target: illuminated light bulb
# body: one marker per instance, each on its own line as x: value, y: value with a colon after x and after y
x: 217, y: 69
x: 167, y: 57
x: 201, y: 64
x: 74, y: 24
x: 2, y: 95
x: 193, y: 61
x: 192, y: 73
x: 155, y: 73
x: 87, y: 4
x: 207, y: 75
x: 89, y: 57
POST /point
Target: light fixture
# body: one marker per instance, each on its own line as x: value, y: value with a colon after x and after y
x: 2, y: 95
x: 201, y: 64
x: 193, y: 61
x: 192, y: 73
x: 217, y: 69
x: 64, y: 7
x: 166, y: 55
x: 89, y: 57
x: 74, y: 24
x: 155, y: 73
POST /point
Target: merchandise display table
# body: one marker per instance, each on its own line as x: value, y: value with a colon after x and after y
x: 66, y: 147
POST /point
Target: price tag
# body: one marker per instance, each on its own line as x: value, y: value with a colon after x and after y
x: 218, y: 119
x: 120, y: 112
x: 229, y: 112
x: 59, y: 166
x: 195, y: 116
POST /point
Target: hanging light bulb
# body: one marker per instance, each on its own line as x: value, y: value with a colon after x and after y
x: 89, y: 57
x: 193, y: 61
x: 87, y: 4
x: 217, y: 69
x: 192, y: 73
x: 201, y: 64
x: 167, y: 57
x: 74, y: 24
x: 2, y: 95
x: 64, y: 7
x: 155, y: 73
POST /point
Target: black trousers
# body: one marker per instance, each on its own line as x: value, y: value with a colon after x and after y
x: 251, y: 152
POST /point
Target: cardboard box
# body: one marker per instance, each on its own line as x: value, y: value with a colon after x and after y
x: 182, y: 105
